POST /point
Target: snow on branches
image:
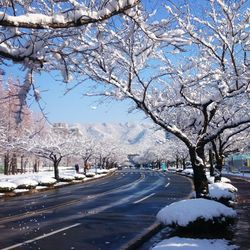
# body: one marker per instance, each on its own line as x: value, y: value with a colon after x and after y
x: 197, y: 94
x: 46, y: 35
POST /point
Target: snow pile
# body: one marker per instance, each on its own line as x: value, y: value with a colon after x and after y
x: 61, y: 183
x: 181, y: 213
x: 46, y: 181
x: 99, y: 176
x: 102, y: 171
x: 21, y: 190
x: 223, y: 179
x: 26, y: 183
x: 79, y: 176
x: 67, y: 178
x: 6, y: 186
x: 188, y: 243
x: 90, y: 174
x: 220, y: 190
x: 188, y: 171
x: 210, y: 179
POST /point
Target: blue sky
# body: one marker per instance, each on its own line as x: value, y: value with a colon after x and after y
x: 74, y: 107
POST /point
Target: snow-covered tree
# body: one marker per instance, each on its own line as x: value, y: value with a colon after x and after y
x: 10, y: 106
x: 232, y: 141
x: 107, y: 152
x: 86, y: 149
x: 54, y: 146
x: 186, y: 93
x: 39, y: 32
x: 46, y: 35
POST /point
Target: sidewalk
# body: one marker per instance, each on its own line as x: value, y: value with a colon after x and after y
x: 241, y: 236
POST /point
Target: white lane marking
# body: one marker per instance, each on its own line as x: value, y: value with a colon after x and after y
x: 41, y: 237
x: 144, y: 198
x: 167, y: 185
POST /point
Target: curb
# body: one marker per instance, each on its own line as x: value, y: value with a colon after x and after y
x: 142, y: 237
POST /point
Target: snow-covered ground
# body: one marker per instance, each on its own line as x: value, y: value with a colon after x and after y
x: 24, y: 182
x: 177, y: 243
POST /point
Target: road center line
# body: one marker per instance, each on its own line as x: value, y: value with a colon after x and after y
x: 144, y: 198
x: 167, y: 184
x: 41, y: 237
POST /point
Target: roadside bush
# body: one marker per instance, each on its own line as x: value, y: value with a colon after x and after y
x: 218, y: 227
x: 6, y: 186
x: 26, y: 183
x: 79, y: 176
x: 198, y: 217
x: 223, y: 192
x: 90, y: 174
x: 66, y: 178
x: 46, y: 181
x: 102, y: 171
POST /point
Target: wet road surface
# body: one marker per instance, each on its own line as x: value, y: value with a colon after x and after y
x: 104, y: 214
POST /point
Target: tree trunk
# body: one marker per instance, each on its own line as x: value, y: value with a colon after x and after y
x: 211, y: 159
x: 183, y: 163
x: 199, y: 178
x: 36, y: 166
x: 218, y: 169
x: 6, y: 163
x: 22, y: 164
x: 14, y: 164
x: 158, y: 164
x: 177, y: 162
x: 56, y: 170
x: 85, y: 166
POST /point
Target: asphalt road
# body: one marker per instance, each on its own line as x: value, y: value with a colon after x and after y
x: 103, y: 214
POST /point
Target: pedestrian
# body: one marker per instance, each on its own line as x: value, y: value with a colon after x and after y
x: 77, y: 168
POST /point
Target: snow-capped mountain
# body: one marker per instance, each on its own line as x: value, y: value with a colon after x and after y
x: 128, y: 133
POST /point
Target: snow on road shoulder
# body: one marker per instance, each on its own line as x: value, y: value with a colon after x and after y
x: 188, y: 243
x: 7, y: 186
x: 183, y: 212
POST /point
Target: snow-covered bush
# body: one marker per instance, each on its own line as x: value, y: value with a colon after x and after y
x: 46, y: 181
x: 222, y: 191
x: 188, y: 172
x: 90, y: 174
x: 66, y: 178
x: 79, y: 176
x: 197, y: 215
x: 6, y: 186
x: 223, y: 179
x: 26, y: 183
x: 102, y: 171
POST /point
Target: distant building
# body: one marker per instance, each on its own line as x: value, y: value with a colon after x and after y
x: 66, y: 129
x: 240, y: 162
